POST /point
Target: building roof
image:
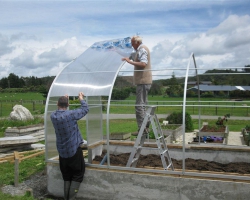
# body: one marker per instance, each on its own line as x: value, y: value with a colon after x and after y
x: 219, y: 88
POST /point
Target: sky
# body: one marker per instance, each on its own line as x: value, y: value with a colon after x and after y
x: 39, y: 38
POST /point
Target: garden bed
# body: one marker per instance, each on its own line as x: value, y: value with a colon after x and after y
x: 246, y: 136
x: 152, y: 160
x: 212, y: 134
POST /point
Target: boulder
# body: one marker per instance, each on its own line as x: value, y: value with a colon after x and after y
x: 20, y: 113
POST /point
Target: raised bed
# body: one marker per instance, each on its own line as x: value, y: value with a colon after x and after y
x: 220, y: 136
x: 171, y: 131
x: 246, y: 136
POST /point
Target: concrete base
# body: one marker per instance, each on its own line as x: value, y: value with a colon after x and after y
x: 109, y: 184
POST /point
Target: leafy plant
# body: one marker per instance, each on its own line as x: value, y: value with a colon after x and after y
x: 176, y: 118
x: 247, y: 127
x: 221, y: 120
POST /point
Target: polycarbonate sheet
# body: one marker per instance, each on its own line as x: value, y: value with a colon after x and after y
x: 50, y: 136
x: 94, y: 71
x: 94, y: 120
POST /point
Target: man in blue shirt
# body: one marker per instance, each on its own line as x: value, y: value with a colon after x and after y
x: 68, y: 142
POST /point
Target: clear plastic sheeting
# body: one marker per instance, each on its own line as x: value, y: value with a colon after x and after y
x: 93, y: 73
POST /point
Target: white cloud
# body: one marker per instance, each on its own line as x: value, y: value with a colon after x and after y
x: 224, y: 46
x: 40, y: 37
x: 5, y: 45
x: 40, y: 61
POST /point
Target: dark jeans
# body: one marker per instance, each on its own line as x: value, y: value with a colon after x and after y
x: 73, y: 168
x: 141, y: 102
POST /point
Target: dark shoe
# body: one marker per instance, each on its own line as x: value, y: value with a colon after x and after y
x: 66, y: 189
x: 74, y: 187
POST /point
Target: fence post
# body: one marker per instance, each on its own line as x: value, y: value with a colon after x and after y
x: 16, y: 157
x: 33, y: 105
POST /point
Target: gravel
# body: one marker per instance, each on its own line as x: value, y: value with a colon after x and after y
x: 36, y: 185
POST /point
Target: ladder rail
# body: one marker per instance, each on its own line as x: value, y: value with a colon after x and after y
x: 160, y: 141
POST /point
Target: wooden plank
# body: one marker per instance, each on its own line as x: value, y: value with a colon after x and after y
x: 16, y: 158
x: 10, y: 158
x: 92, y: 146
x: 16, y: 155
x: 33, y: 155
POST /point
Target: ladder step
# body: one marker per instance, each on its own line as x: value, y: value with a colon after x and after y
x: 135, y: 159
x: 164, y: 152
x: 138, y: 147
x: 169, y: 165
x: 159, y: 138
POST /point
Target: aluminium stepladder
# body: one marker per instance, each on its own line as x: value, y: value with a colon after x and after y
x: 159, y: 137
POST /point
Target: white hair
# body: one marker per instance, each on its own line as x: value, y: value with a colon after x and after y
x: 137, y: 39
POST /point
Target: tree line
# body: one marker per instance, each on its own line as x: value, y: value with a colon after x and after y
x: 14, y: 83
x: 172, y: 87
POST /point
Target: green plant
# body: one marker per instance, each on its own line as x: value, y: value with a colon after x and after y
x: 247, y: 127
x: 176, y: 118
x: 5, y: 123
x: 220, y: 121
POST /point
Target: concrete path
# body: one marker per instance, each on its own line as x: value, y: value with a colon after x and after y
x: 235, y: 138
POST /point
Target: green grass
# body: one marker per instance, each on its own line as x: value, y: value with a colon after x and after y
x: 9, y: 197
x: 26, y: 169
x: 129, y: 125
x: 19, y: 96
x: 234, y: 125
x: 33, y: 101
x: 167, y: 105
x: 5, y: 123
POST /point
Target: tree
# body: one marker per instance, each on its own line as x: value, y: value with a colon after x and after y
x: 155, y: 88
x: 4, y: 83
x: 13, y: 81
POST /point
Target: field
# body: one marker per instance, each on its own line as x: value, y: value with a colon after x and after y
x: 35, y: 102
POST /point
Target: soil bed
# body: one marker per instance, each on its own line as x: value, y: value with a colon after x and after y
x: 152, y: 160
x: 209, y: 128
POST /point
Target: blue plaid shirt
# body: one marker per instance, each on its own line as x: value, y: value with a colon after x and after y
x: 68, y: 136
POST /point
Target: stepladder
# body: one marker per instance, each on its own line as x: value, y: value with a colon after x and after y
x: 151, y: 118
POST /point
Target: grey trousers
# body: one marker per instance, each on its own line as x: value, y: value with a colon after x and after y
x: 141, y: 102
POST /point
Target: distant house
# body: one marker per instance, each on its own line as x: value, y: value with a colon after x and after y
x: 218, y: 88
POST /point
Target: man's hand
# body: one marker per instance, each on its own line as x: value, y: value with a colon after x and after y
x: 81, y: 96
x: 138, y: 64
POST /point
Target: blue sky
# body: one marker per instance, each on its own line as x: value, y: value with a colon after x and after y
x: 39, y: 38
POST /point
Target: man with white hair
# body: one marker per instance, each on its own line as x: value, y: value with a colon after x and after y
x: 142, y: 78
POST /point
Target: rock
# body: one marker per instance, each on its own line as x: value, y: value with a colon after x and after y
x: 20, y: 113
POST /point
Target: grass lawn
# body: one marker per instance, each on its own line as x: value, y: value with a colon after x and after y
x: 19, y: 96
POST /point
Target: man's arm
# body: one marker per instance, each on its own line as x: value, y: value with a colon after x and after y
x: 139, y: 64
x: 82, y: 111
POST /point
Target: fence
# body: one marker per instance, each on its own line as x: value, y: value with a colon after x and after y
x: 34, y: 106
x: 215, y: 108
